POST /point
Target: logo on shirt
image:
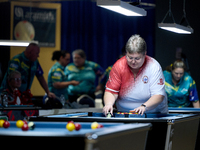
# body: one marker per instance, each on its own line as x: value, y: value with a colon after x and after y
x: 161, y: 82
x: 145, y: 79
x: 56, y: 74
x: 12, y: 65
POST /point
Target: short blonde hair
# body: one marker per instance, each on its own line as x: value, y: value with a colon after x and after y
x: 178, y: 64
x: 136, y: 44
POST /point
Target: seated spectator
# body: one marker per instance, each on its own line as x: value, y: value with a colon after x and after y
x: 12, y: 92
x: 85, y: 72
x: 15, y: 97
x: 180, y: 86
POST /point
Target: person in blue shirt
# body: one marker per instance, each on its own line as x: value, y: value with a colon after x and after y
x: 180, y: 86
x: 57, y: 80
x: 85, y: 72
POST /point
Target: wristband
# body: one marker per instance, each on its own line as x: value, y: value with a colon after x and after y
x: 144, y: 105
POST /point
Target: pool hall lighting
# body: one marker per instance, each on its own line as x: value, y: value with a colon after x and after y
x: 16, y: 43
x: 174, y: 27
x: 121, y: 7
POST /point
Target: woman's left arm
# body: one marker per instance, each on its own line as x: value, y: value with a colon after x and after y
x: 152, y: 103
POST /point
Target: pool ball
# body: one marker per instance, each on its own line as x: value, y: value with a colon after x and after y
x: 25, y: 127
x: 70, y: 126
x: 25, y: 121
x: 100, y: 126
x: 19, y: 123
x: 70, y: 121
x: 31, y: 125
x: 94, y: 125
x: 77, y: 126
x: 109, y: 115
x: 1, y: 123
x: 6, y: 124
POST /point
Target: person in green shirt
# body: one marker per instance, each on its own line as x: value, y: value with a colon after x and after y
x: 180, y: 86
x: 85, y: 72
x: 57, y: 80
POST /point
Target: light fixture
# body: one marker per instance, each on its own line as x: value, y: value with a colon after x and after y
x: 174, y: 27
x: 16, y: 43
x: 121, y: 7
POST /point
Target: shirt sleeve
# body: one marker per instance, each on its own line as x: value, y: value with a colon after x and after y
x: 39, y: 71
x: 193, y: 97
x: 56, y: 75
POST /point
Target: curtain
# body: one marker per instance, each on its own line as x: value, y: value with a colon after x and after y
x: 101, y: 33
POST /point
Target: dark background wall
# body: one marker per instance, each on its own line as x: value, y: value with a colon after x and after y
x: 167, y: 42
x: 102, y: 33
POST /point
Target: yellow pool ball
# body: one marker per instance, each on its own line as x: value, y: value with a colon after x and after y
x: 19, y: 123
x: 1, y: 123
x: 70, y: 126
x: 94, y: 125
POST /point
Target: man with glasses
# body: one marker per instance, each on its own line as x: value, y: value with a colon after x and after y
x: 14, y: 83
x: 15, y: 97
x: 136, y: 82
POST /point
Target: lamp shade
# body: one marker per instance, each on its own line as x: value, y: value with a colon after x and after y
x: 122, y: 7
x: 173, y: 27
x: 16, y: 43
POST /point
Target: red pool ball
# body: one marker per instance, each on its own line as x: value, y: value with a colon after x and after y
x: 77, y: 126
x: 6, y: 124
x: 100, y: 126
x: 25, y: 127
x: 25, y: 122
x: 70, y: 122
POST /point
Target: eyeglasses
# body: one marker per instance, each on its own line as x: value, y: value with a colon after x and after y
x: 16, y: 79
x: 132, y: 58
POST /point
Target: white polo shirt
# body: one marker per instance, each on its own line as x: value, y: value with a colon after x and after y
x: 132, y: 92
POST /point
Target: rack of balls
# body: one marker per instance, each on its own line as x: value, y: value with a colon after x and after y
x: 122, y: 113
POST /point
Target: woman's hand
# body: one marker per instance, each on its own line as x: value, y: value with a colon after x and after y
x: 108, y: 108
x: 139, y: 110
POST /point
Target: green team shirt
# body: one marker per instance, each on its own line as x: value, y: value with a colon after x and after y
x: 56, y: 74
x: 85, y: 75
x: 22, y: 64
x: 182, y: 94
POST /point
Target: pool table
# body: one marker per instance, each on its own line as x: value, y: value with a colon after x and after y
x: 184, y: 110
x: 111, y: 136
x: 169, y: 131
x: 16, y: 112
x: 188, y: 110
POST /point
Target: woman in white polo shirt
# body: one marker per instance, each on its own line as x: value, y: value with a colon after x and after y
x: 136, y: 82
